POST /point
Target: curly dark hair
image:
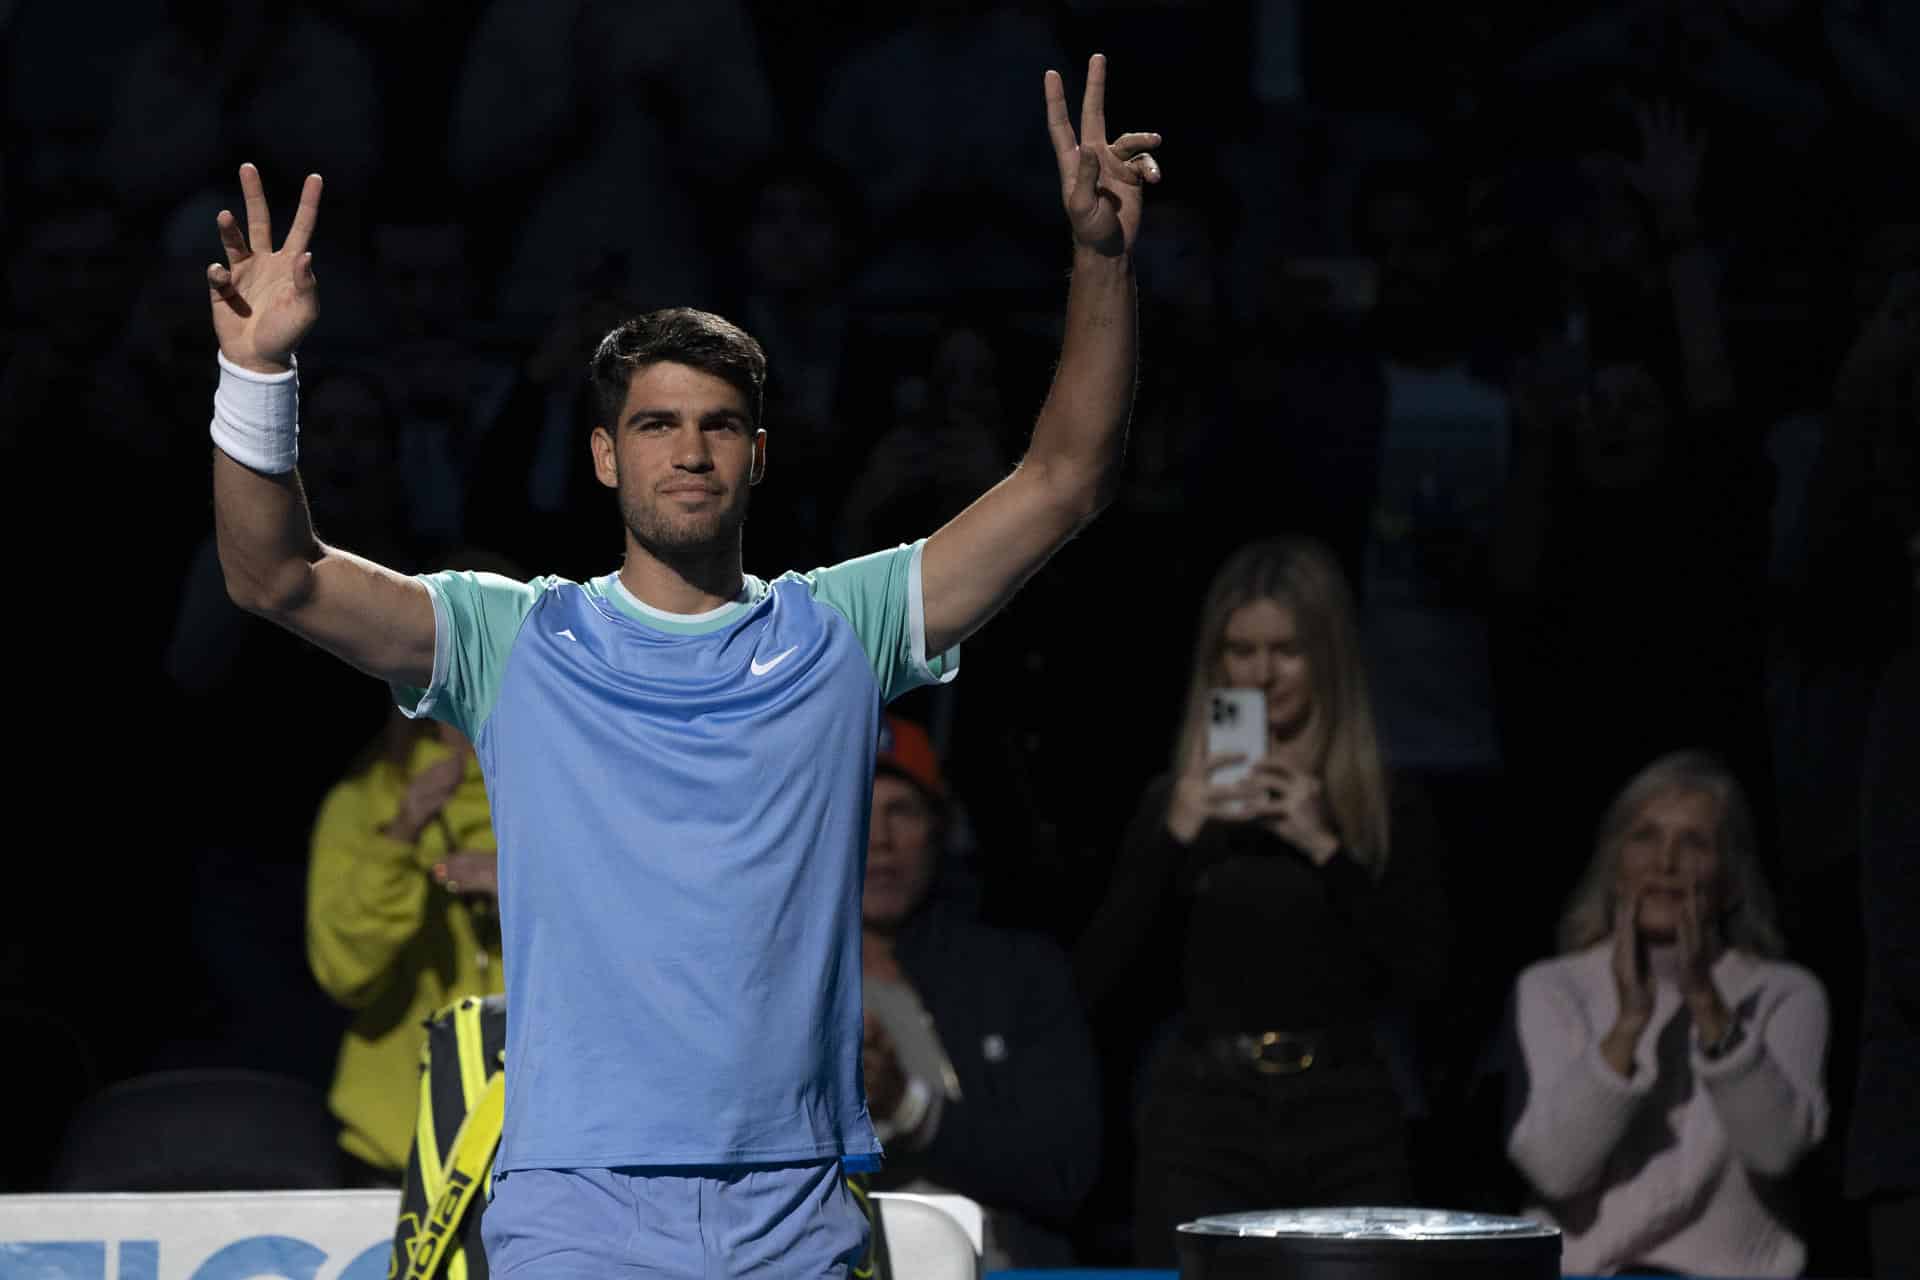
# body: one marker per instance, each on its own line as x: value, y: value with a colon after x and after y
x: 697, y: 339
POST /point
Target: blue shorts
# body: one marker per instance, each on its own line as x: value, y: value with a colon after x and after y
x: 696, y: 1223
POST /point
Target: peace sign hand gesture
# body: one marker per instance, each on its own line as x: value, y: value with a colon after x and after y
x: 264, y: 301
x: 1100, y: 181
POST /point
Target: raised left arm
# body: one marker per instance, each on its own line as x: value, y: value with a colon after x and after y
x: 975, y: 563
x: 1668, y: 175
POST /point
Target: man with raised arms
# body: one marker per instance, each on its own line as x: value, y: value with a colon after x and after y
x: 678, y: 755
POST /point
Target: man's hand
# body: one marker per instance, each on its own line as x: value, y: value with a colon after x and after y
x: 975, y: 562
x: 1100, y: 181
x: 265, y: 301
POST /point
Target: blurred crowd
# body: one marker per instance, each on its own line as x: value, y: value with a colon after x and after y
x: 1576, y: 346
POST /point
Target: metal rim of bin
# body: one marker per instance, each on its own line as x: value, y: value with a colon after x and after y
x: 1375, y: 1232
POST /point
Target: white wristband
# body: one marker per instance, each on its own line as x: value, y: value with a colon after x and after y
x: 256, y: 417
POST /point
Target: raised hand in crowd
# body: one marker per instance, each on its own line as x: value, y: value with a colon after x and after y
x: 1667, y: 176
x: 1667, y: 173
x: 265, y: 300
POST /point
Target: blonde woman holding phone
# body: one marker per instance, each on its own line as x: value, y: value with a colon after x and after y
x: 1302, y: 908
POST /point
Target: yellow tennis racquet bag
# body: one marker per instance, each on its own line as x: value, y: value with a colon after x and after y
x: 450, y: 1168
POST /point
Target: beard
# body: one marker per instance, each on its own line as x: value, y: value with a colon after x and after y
x: 672, y: 534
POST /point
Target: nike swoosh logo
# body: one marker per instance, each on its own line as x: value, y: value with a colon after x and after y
x: 761, y: 668
x: 568, y: 633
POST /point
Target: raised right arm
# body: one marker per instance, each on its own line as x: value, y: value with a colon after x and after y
x: 264, y: 302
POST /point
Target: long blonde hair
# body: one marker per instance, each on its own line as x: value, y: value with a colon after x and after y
x: 1746, y: 909
x: 1302, y: 576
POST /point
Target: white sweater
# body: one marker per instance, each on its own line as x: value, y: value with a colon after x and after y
x: 1671, y: 1167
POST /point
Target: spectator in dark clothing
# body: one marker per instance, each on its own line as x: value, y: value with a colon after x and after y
x: 1375, y: 427
x: 1840, y: 614
x: 894, y: 82
x: 952, y: 446
x: 1883, y: 1156
x: 531, y: 487
x: 1380, y: 435
x: 445, y: 390
x: 979, y: 1070
x: 1633, y: 537
x: 1841, y: 618
x: 1308, y: 916
x: 591, y: 128
x: 795, y: 248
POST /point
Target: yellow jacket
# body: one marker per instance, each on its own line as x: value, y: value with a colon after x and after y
x: 385, y: 940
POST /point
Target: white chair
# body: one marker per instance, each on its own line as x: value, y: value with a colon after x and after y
x: 932, y: 1237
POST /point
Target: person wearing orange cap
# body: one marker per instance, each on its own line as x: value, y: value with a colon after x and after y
x: 980, y: 1071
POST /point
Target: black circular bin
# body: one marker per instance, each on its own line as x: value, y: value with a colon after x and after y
x: 1366, y: 1244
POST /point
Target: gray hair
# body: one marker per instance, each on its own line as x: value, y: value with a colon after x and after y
x: 1746, y: 911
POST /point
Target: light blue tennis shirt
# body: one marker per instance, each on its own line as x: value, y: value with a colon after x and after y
x: 681, y: 804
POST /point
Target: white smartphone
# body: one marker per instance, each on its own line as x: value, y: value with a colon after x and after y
x: 1236, y: 725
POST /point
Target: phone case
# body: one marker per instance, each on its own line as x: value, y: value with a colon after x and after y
x: 1236, y: 725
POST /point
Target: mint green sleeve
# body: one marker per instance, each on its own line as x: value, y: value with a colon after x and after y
x: 475, y: 619
x: 880, y: 595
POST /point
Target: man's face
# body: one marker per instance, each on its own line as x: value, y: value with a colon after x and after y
x: 682, y: 456
x: 1417, y: 263
x: 425, y: 274
x: 900, y: 854
x: 794, y: 240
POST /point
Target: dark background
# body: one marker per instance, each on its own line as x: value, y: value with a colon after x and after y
x: 867, y: 188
